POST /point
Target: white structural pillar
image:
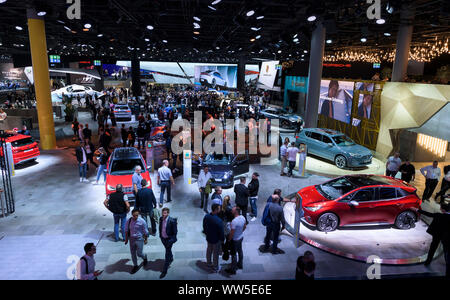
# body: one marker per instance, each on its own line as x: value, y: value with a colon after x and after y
x: 315, y: 75
x: 404, y: 37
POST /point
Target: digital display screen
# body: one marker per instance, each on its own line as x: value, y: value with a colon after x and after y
x: 97, y: 63
x: 336, y: 99
x: 55, y: 59
x: 216, y: 77
x: 376, y: 65
x: 365, y: 106
x: 365, y: 86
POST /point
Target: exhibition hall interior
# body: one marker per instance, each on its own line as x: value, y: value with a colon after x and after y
x: 224, y: 140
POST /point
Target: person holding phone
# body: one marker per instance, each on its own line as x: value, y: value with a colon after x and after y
x: 86, y: 265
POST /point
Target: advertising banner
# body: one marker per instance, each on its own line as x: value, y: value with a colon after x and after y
x: 336, y: 98
x: 268, y: 73
x: 221, y: 77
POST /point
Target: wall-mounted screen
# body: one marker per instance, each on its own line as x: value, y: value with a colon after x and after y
x: 268, y: 73
x: 214, y: 77
x: 365, y: 106
x: 365, y: 86
x: 336, y: 98
x: 55, y: 59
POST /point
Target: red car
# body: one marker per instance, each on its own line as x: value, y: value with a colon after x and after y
x: 120, y: 169
x: 23, y: 147
x: 360, y: 200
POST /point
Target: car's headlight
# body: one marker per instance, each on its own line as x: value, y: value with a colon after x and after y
x: 110, y: 188
x: 313, y: 208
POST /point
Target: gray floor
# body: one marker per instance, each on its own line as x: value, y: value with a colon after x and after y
x: 56, y: 215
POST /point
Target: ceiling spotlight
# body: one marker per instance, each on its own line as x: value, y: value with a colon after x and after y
x: 295, y: 40
x: 218, y: 48
x: 67, y: 28
x: 258, y: 37
x: 387, y: 34
x: 260, y: 17
x: 363, y: 40
x: 164, y: 41
x: 150, y: 27
x: 252, y: 40
x: 196, y: 25
x: 87, y: 25
x: 305, y: 51
x: 256, y: 28
x: 211, y: 7
x: 41, y: 13
x: 381, y: 21
x: 329, y: 41
x: 100, y: 35
x: 295, y: 35
x: 250, y: 13
x: 312, y: 18
x: 85, y: 29
x: 279, y: 51
x: 147, y: 40
x: 19, y: 28
x: 216, y: 2
x: 197, y: 19
x: 196, y: 32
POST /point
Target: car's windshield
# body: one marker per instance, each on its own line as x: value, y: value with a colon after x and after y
x: 22, y: 142
x: 336, y: 188
x: 342, y: 140
x: 125, y: 166
x: 215, y: 158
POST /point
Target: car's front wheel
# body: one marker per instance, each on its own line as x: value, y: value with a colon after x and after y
x: 405, y: 220
x: 340, y: 161
x: 327, y: 222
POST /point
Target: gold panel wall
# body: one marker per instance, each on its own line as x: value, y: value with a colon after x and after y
x: 407, y: 105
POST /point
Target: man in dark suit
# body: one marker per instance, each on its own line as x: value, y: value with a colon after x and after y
x: 168, y: 234
x: 146, y: 202
x: 242, y: 194
x: 438, y: 229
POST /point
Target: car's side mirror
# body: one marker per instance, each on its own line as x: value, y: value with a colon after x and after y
x: 354, y: 203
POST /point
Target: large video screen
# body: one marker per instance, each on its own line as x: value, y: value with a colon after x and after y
x: 336, y: 99
x: 268, y: 73
x: 216, y: 77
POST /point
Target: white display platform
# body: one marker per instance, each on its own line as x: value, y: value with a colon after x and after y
x: 391, y: 245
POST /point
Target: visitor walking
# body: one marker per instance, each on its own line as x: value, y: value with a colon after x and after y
x: 214, y: 231
x: 137, y: 234
x: 238, y: 226
x: 432, y: 174
x: 168, y: 234
x: 146, y: 202
x: 242, y: 195
x: 118, y: 204
x: 253, y: 188
x: 86, y: 265
x: 393, y: 165
x: 165, y: 180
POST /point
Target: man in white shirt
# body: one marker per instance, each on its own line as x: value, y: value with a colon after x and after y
x: 292, y: 157
x: 86, y: 265
x: 202, y: 181
x: 80, y: 153
x: 238, y: 226
x: 283, y: 152
x: 432, y: 174
x: 393, y: 164
x: 165, y: 178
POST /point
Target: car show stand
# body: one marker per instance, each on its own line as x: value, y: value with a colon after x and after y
x: 391, y: 246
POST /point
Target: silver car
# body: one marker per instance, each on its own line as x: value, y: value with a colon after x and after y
x: 122, y: 112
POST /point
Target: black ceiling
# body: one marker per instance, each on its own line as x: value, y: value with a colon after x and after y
x: 225, y: 34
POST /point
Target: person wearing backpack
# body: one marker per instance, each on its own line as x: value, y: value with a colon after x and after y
x: 117, y: 203
x: 274, y: 225
x: 86, y: 265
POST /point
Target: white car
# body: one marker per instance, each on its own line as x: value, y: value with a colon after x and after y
x: 212, y: 78
x: 75, y: 90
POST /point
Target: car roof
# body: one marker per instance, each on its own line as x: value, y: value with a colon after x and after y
x: 370, y: 180
x: 324, y: 131
x: 126, y: 153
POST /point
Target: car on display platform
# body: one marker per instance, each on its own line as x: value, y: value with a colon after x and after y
x: 24, y: 148
x: 122, y: 112
x: 120, y: 169
x: 360, y: 200
x: 224, y: 168
x: 334, y: 146
x: 75, y: 90
x: 287, y: 120
x: 212, y: 78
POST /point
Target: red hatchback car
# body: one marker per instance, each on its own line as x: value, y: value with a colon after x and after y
x: 360, y: 200
x: 120, y: 169
x: 24, y: 148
